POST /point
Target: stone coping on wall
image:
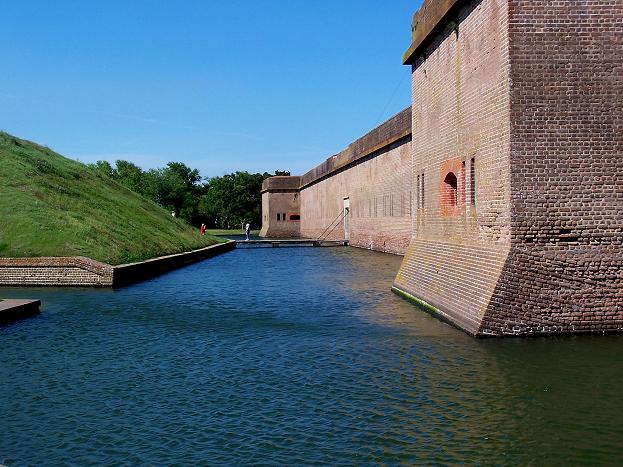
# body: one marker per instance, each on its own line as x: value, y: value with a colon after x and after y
x: 282, y: 183
x: 394, y: 129
x: 86, y: 272
x: 135, y: 272
x: 426, y: 21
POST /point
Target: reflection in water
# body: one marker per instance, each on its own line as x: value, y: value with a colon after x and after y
x: 292, y: 356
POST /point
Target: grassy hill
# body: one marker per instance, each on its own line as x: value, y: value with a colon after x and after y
x: 53, y: 206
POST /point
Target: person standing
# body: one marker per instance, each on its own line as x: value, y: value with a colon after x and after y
x: 247, y: 230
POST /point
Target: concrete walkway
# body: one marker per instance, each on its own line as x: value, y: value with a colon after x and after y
x: 294, y: 242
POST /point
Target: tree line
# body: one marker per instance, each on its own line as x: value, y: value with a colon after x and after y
x: 219, y: 202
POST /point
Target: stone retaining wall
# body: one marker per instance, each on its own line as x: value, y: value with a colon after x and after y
x: 85, y: 272
x: 135, y: 272
x: 55, y: 271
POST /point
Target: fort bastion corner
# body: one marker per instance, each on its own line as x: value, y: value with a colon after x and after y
x: 501, y: 185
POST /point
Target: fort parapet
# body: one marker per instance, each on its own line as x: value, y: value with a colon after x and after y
x: 506, y: 198
x: 362, y: 193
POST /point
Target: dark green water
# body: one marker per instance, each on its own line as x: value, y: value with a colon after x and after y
x: 292, y: 356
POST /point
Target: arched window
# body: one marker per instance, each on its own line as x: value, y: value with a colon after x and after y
x: 449, y: 197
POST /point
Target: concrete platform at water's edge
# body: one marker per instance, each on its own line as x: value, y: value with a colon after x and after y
x: 292, y: 242
x: 12, y: 309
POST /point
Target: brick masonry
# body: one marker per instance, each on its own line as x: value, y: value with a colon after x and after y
x: 85, y: 272
x: 373, y: 173
x: 530, y: 92
x: 564, y: 271
x: 280, y: 207
x: 55, y: 271
x: 513, y: 170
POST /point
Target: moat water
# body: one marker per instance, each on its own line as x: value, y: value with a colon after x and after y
x: 292, y: 356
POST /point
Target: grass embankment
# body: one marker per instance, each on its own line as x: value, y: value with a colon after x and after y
x: 54, y: 206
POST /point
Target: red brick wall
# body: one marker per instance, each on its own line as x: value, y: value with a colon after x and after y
x: 380, y: 197
x: 532, y: 91
x: 279, y: 202
x: 374, y: 172
x: 564, y: 271
x: 461, y: 108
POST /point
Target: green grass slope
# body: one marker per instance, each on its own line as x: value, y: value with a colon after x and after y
x: 53, y: 206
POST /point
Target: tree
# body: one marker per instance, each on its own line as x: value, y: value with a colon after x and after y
x: 232, y: 199
x: 129, y: 175
x: 104, y: 168
x: 222, y: 202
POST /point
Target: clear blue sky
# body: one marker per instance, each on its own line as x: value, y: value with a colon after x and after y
x: 220, y: 85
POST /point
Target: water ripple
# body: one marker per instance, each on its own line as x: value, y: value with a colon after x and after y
x: 292, y: 357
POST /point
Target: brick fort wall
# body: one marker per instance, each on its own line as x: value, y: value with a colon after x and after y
x: 461, y: 108
x: 506, y: 198
x: 281, y: 207
x: 373, y: 173
x: 517, y: 166
x: 564, y: 272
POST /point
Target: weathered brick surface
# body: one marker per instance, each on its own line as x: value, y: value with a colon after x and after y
x: 279, y: 203
x: 57, y: 271
x: 564, y: 272
x: 461, y: 111
x: 380, y: 197
x: 374, y: 172
x: 532, y: 92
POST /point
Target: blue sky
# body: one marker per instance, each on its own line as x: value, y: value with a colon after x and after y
x: 220, y: 85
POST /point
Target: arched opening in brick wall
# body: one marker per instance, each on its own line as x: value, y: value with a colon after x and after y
x: 449, y: 193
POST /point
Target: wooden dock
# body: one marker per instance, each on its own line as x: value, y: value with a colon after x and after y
x: 12, y: 309
x: 291, y: 242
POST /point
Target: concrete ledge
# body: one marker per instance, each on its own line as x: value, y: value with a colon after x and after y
x: 13, y: 309
x: 426, y: 21
x: 125, y: 274
x: 282, y: 183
